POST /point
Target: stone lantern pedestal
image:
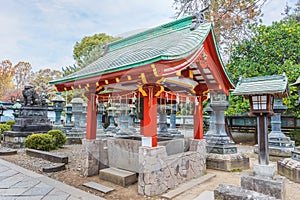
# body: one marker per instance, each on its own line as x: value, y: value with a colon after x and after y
x: 222, y: 152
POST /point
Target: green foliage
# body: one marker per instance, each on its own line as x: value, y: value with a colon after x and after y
x: 5, y: 127
x: 272, y: 50
x: 90, y: 48
x: 59, y: 137
x: 43, y: 142
x: 295, y: 135
x: 10, y: 122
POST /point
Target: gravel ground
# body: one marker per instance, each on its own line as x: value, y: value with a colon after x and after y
x: 71, y: 175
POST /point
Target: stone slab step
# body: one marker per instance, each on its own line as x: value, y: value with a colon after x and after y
x: 206, y: 195
x: 55, y: 167
x: 118, y: 176
x: 99, y: 187
x: 47, y: 156
x: 7, y: 152
x: 186, y: 186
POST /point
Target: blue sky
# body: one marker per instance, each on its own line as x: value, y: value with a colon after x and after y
x: 44, y: 32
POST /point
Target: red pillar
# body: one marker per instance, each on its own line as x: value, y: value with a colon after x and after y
x: 198, y: 120
x: 91, y: 120
x: 149, y: 124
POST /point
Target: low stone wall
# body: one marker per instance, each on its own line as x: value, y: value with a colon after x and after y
x: 124, y: 153
x: 159, y: 172
x: 94, y: 156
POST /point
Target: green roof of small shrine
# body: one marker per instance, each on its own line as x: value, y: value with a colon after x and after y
x: 276, y: 85
x: 170, y: 41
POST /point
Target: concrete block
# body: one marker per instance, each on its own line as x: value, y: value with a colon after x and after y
x: 290, y: 169
x: 265, y: 185
x: 118, y: 176
x: 230, y: 192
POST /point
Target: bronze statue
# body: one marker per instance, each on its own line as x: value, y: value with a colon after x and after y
x: 31, y: 97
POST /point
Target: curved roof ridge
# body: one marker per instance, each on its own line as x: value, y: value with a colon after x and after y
x: 151, y: 33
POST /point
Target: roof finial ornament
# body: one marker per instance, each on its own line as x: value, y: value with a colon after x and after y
x: 198, y: 18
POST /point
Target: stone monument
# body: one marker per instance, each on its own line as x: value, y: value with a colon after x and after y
x: 290, y: 167
x: 32, y: 118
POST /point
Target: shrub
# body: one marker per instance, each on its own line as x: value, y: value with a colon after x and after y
x: 295, y: 135
x: 4, y: 127
x: 59, y: 137
x: 10, y: 122
x: 40, y: 141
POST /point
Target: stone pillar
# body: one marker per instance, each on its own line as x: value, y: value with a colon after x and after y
x: 111, y: 115
x: 131, y: 115
x: 77, y: 108
x: 99, y: 116
x: 58, y: 108
x: 69, y: 115
x: 83, y: 115
x: 123, y: 120
x: 222, y: 152
x: 173, y: 130
x: 279, y: 144
x: 162, y: 121
x: 212, y: 127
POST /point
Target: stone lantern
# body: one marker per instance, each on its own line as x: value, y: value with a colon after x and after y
x: 2, y: 108
x: 290, y: 167
x: 58, y: 107
x: 69, y: 115
x: 261, y: 92
x: 77, y: 108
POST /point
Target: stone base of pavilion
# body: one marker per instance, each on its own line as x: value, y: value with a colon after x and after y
x: 290, y: 169
x: 160, y: 168
x: 159, y: 171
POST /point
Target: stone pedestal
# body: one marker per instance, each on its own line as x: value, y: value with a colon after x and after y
x: 290, y: 167
x: 32, y: 119
x: 222, y: 152
x: 274, y: 187
x: 227, y: 162
x: 94, y: 156
x: 230, y: 192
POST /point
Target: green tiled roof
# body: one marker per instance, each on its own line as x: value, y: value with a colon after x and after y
x: 276, y: 84
x: 170, y: 41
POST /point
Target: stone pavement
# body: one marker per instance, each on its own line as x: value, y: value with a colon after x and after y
x: 17, y: 183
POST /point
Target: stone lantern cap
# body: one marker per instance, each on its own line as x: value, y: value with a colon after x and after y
x: 58, y: 98
x: 77, y: 100
x: 68, y: 105
x: 276, y: 85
